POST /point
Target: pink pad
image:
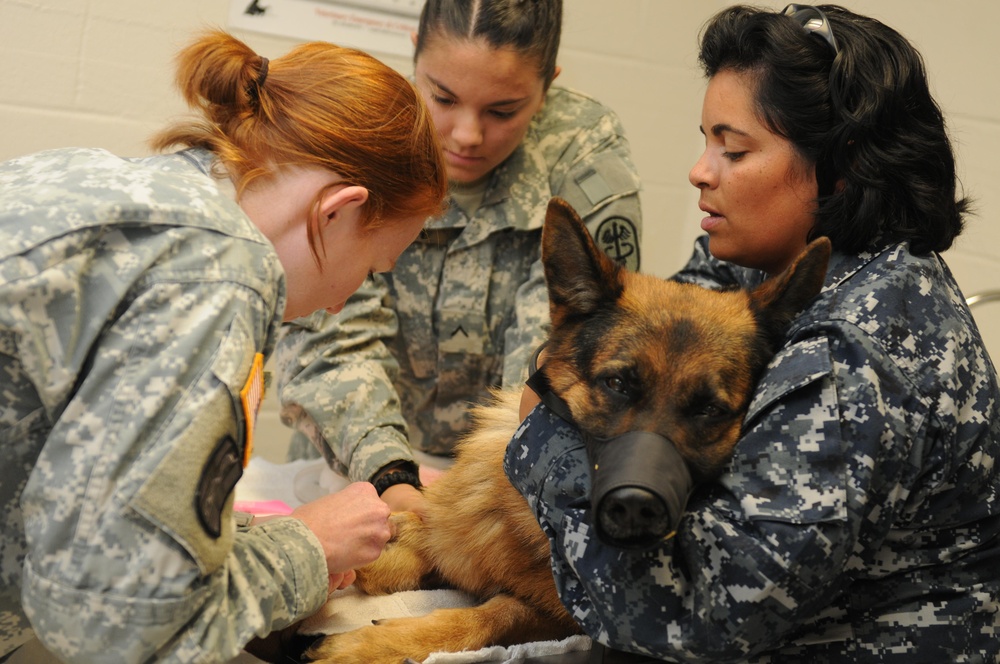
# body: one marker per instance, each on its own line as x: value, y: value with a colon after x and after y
x: 262, y: 507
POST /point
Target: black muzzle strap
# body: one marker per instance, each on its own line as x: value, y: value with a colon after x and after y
x: 539, y: 383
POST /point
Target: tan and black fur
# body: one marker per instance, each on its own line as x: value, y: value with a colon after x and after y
x: 627, y: 351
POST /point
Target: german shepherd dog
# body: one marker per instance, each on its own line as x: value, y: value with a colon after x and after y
x: 627, y: 352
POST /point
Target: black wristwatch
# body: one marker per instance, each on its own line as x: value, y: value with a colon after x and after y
x: 400, y: 472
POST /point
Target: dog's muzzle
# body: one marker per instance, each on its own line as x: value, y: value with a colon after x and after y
x: 639, y: 481
x: 639, y: 487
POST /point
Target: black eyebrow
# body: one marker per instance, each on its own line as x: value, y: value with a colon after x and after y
x: 722, y: 128
x: 504, y: 102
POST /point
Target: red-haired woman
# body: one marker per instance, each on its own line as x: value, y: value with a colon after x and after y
x: 138, y: 299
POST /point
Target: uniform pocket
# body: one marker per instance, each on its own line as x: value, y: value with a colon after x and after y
x: 790, y: 463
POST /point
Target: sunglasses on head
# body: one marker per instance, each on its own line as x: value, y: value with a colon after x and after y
x: 814, y: 22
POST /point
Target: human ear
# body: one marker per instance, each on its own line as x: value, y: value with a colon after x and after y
x: 338, y: 201
x: 555, y: 75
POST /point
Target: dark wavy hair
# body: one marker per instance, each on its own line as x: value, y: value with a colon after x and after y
x: 864, y: 116
x: 532, y: 27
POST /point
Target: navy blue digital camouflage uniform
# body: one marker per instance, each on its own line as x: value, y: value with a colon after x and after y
x: 859, y: 519
x: 134, y: 297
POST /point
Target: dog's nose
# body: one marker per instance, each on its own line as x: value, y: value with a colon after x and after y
x: 632, y: 516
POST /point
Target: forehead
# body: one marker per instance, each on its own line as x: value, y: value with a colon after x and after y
x: 665, y: 323
x: 730, y: 112
x: 729, y: 99
x: 475, y: 64
x: 685, y: 316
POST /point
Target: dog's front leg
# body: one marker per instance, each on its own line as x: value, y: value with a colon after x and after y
x: 503, y: 620
x: 403, y: 564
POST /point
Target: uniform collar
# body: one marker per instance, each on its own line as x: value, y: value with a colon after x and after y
x: 844, y: 266
x: 202, y: 159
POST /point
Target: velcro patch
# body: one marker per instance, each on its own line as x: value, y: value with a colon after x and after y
x: 594, y: 187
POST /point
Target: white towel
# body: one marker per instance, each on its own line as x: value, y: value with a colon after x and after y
x: 514, y: 653
x: 350, y: 608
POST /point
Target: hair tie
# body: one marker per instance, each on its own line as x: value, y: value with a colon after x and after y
x: 253, y: 90
x: 262, y: 72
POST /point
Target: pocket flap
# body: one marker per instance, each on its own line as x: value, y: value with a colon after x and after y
x: 794, y: 367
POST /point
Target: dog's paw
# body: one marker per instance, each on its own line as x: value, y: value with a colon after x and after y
x: 368, y: 645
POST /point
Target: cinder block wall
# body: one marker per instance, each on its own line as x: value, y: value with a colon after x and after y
x: 99, y: 73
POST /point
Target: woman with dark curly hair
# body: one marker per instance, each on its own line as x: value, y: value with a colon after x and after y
x: 859, y: 517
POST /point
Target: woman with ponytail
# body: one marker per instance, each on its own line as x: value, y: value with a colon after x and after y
x: 139, y: 299
x: 466, y: 306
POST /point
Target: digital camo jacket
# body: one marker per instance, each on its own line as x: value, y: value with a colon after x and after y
x: 466, y: 304
x: 859, y: 519
x: 134, y: 297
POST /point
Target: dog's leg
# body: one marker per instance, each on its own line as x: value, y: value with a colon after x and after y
x: 502, y: 620
x: 403, y: 564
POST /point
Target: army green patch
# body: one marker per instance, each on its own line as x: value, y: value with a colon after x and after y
x: 171, y: 496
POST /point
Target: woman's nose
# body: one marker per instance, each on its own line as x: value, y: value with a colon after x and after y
x: 701, y: 175
x: 467, y: 132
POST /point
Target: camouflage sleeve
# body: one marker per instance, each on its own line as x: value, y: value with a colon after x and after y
x: 335, y: 384
x: 762, y: 553
x: 132, y: 549
x: 597, y: 177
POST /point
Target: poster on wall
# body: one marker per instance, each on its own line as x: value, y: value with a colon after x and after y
x: 377, y: 26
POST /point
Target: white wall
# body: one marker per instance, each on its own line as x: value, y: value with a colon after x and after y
x: 99, y: 73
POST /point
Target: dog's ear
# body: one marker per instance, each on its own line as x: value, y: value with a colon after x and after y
x: 780, y: 299
x: 581, y: 278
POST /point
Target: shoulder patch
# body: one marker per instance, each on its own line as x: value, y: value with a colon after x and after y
x: 251, y: 397
x: 218, y: 479
x: 617, y: 237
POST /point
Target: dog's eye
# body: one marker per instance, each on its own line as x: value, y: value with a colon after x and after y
x: 616, y: 384
x: 709, y: 410
x: 706, y: 405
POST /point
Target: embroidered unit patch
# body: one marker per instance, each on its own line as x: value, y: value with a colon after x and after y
x: 218, y: 479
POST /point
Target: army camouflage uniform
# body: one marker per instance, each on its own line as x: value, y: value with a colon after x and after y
x: 465, y: 305
x: 859, y: 519
x: 134, y: 295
